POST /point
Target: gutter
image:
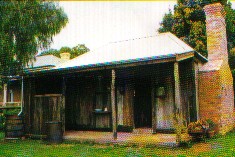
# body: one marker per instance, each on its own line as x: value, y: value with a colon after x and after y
x: 105, y: 65
x: 201, y: 57
x: 111, y: 64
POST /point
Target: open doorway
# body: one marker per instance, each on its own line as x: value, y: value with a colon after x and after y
x: 142, y: 105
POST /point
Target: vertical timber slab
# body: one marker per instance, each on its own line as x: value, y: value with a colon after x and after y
x: 30, y: 91
x: 113, y: 101
x: 195, y: 70
x: 27, y: 103
x: 177, y: 87
x: 128, y: 106
x: 31, y: 102
x: 62, y: 109
x: 119, y: 108
x: 178, y: 112
x: 154, y: 119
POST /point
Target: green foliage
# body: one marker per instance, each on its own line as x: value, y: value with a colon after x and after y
x: 199, y: 126
x: 26, y: 26
x: 186, y: 144
x: 65, y: 49
x: 188, y: 23
x: 75, y: 51
x: 51, y: 52
x: 11, y: 111
x: 2, y: 121
x: 7, y: 112
x: 178, y: 125
x: 79, y: 50
x: 167, y: 23
x: 211, y: 123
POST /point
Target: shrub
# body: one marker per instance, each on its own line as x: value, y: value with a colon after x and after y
x: 7, y: 112
x: 2, y: 121
x: 14, y: 111
x: 198, y: 126
x: 212, y: 124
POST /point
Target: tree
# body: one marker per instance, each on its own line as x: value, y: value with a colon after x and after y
x: 167, y: 22
x: 26, y: 26
x: 50, y: 52
x: 79, y: 50
x: 188, y: 23
x: 75, y: 51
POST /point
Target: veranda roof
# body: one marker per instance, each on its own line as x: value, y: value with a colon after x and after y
x: 161, y: 46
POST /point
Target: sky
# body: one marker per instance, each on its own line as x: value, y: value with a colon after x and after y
x: 95, y: 24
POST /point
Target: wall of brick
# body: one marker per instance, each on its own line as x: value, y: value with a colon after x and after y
x: 209, y: 91
x: 227, y: 99
x: 216, y: 98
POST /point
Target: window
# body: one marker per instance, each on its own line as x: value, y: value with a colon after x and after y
x: 11, y: 96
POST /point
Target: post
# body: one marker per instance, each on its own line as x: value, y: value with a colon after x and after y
x: 195, y: 70
x: 62, y: 109
x: 4, y: 94
x: 28, y: 103
x: 154, y: 120
x: 22, y: 93
x: 177, y: 85
x: 113, y: 100
x: 178, y: 107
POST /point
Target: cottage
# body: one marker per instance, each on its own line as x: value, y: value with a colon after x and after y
x: 139, y: 83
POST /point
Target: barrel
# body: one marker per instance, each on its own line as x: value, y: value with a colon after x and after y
x: 14, y: 126
x: 54, y: 132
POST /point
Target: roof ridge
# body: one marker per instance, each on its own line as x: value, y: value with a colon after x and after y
x: 144, y: 37
x: 47, y: 55
x: 171, y: 36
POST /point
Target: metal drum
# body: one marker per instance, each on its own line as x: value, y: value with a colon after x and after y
x: 54, y: 132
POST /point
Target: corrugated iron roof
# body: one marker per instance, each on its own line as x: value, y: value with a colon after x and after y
x: 42, y: 63
x: 164, y: 45
x: 45, y: 61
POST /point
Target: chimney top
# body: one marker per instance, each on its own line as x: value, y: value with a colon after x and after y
x: 65, y: 56
x: 214, y: 10
x: 216, y: 32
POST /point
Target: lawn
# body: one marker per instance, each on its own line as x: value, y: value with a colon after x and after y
x: 221, y: 146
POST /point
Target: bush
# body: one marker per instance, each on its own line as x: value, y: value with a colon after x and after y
x: 212, y: 124
x: 2, y: 121
x: 198, y: 126
x: 7, y: 112
x: 14, y: 111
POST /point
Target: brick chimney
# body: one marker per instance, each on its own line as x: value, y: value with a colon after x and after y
x: 65, y: 56
x: 215, y: 83
x: 216, y: 32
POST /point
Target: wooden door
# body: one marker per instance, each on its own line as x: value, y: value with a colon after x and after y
x: 46, y: 108
x: 142, y: 106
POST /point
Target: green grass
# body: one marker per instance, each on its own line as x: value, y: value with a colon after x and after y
x: 221, y: 146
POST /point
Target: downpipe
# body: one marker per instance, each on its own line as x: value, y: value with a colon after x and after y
x: 22, y: 96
